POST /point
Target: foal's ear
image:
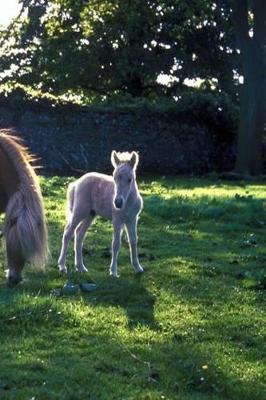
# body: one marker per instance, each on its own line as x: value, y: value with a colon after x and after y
x: 134, y: 160
x: 115, y: 159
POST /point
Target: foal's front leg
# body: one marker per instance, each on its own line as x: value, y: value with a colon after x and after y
x: 133, y: 241
x: 116, y: 243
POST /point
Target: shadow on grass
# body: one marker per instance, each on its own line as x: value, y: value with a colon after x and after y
x: 111, y: 367
x: 131, y: 295
x: 189, y: 300
x: 127, y: 293
x: 191, y: 229
x: 206, y: 229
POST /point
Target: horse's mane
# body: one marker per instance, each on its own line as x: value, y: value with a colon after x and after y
x: 25, y: 206
x: 20, y: 157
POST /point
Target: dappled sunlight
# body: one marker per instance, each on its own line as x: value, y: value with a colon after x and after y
x: 176, y: 208
x: 189, y: 324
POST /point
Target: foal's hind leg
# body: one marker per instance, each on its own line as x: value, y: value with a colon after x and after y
x: 79, y: 238
x: 68, y: 233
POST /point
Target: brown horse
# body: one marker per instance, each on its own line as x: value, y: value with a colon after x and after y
x: 21, y: 200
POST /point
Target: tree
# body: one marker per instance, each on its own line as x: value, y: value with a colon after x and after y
x: 250, y: 23
x: 112, y: 47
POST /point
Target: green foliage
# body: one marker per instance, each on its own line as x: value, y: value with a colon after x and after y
x: 190, y: 328
x: 193, y: 106
x: 115, y: 47
x: 216, y: 111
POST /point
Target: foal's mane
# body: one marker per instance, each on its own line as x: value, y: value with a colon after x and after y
x: 20, y: 157
x: 124, y: 157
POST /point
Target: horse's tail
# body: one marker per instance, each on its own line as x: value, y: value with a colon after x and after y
x: 70, y: 199
x: 25, y: 225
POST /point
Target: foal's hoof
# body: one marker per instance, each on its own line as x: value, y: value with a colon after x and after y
x: 113, y: 275
x: 140, y: 270
x: 81, y: 268
x: 62, y: 269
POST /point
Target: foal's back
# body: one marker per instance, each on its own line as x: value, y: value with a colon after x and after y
x: 93, y: 194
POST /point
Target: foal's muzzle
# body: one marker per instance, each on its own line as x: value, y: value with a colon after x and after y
x: 118, y: 202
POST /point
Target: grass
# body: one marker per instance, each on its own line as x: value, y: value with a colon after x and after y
x: 192, y: 327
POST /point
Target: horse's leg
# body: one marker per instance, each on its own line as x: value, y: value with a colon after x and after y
x: 68, y: 233
x: 133, y: 242
x: 116, y: 243
x: 79, y: 238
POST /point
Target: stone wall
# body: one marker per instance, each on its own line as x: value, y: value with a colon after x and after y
x: 71, y: 139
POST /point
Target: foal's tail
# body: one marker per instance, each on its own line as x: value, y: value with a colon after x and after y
x: 25, y: 227
x: 70, y: 199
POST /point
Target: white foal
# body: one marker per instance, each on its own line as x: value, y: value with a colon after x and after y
x: 113, y: 197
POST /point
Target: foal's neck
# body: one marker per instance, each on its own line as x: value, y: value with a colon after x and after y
x: 134, y: 191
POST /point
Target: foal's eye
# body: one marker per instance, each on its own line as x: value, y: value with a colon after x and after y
x: 129, y: 180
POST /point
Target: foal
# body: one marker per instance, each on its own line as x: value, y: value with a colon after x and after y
x: 113, y: 197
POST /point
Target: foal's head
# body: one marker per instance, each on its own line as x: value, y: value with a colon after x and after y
x: 124, y: 174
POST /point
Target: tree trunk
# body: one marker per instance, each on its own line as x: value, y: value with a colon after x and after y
x: 253, y: 92
x: 252, y: 120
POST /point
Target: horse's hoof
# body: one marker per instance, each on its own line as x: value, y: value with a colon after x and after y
x: 139, y: 271
x: 13, y: 282
x: 62, y: 269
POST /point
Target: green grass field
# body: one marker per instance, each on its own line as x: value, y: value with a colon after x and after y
x: 192, y: 327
